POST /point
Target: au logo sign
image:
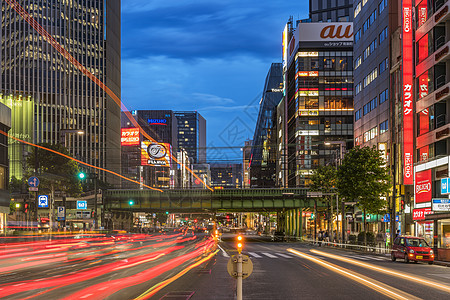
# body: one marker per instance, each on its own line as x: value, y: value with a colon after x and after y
x: 333, y: 31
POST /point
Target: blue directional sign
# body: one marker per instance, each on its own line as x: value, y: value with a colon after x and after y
x: 42, y: 201
x: 81, y: 204
x: 445, y: 190
x: 33, y: 181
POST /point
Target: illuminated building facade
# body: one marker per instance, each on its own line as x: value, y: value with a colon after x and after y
x: 61, y: 97
x: 5, y: 125
x: 146, y: 161
x: 263, y: 151
x: 318, y: 98
x: 331, y: 11
x: 431, y: 91
x: 226, y: 176
x: 246, y: 155
x: 192, y: 134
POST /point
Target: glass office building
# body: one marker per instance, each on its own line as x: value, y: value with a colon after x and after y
x: 63, y: 99
x: 192, y: 134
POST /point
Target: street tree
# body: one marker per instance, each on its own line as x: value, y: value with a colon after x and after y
x: 55, y: 172
x: 363, y: 177
x: 324, y: 180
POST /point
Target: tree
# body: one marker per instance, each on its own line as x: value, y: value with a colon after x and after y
x: 55, y: 171
x: 364, y: 177
x: 324, y: 180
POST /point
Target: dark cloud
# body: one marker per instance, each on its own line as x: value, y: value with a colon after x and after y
x: 190, y: 30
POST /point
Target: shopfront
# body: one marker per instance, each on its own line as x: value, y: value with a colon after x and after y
x: 441, y: 242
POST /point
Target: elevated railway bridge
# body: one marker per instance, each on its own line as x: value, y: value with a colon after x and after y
x: 288, y: 203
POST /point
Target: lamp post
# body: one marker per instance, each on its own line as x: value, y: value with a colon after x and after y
x: 338, y: 161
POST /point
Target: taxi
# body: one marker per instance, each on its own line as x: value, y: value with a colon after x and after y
x: 412, y: 248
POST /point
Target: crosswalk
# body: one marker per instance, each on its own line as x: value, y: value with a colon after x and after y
x: 278, y: 255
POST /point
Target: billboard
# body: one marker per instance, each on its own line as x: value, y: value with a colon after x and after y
x: 407, y: 90
x: 325, y: 34
x: 420, y: 213
x: 422, y: 188
x: 155, y: 154
x: 130, y: 137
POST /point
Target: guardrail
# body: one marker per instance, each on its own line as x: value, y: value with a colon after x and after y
x: 371, y: 249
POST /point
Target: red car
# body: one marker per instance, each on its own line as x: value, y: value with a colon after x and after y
x: 412, y: 248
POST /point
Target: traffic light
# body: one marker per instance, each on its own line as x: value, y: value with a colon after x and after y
x: 81, y: 175
x: 167, y: 212
x: 25, y: 208
x: 93, y: 214
x: 131, y: 202
x: 240, y: 243
x: 402, y: 203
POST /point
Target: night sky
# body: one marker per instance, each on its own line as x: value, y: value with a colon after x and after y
x: 209, y: 56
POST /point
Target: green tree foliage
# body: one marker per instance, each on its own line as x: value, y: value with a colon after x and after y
x: 55, y: 170
x: 364, y: 178
x: 324, y: 179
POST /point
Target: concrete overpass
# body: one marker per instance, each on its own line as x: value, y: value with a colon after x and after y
x: 202, y: 200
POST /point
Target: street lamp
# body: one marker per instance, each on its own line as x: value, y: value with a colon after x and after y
x: 338, y: 161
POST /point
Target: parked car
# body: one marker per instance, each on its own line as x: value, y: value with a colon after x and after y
x: 278, y: 236
x: 412, y: 248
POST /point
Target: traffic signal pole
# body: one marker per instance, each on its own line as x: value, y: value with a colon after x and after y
x: 239, y: 277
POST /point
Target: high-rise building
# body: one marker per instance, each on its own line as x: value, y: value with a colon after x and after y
x: 5, y: 125
x: 318, y: 98
x: 246, y: 155
x: 226, y: 176
x: 192, y: 134
x: 49, y: 97
x: 263, y: 152
x: 429, y: 140
x: 150, y: 161
x: 372, y: 31
x: 331, y: 10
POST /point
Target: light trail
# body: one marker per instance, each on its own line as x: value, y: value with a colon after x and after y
x: 156, y: 288
x: 49, y: 39
x: 375, y: 285
x: 77, y: 160
x: 402, y: 275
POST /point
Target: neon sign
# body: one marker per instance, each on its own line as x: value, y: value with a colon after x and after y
x: 157, y: 121
x: 130, y: 137
x: 407, y: 90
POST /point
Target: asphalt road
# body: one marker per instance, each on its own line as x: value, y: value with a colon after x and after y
x: 304, y: 273
x: 156, y: 267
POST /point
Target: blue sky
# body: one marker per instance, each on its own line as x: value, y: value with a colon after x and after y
x: 209, y: 56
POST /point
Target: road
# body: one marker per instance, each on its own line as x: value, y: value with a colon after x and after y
x: 308, y: 272
x: 185, y: 266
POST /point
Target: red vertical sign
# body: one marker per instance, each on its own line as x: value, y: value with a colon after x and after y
x: 408, y: 134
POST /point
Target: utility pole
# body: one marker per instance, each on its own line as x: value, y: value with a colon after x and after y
x: 394, y: 197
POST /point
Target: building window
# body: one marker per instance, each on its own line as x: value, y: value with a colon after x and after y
x: 358, y: 115
x: 358, y: 88
x: 357, y: 36
x: 358, y: 62
x: 384, y: 126
x: 357, y: 9
x: 384, y: 65
x: 370, y: 77
x: 384, y: 95
x: 383, y: 34
x: 370, y: 134
x: 383, y: 4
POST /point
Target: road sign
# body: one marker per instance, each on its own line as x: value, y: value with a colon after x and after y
x: 86, y: 214
x: 33, y: 181
x: 81, y: 204
x: 33, y: 189
x: 313, y: 194
x: 441, y: 204
x: 445, y: 190
x: 61, y: 212
x: 79, y: 214
x: 247, y: 266
x: 42, y: 201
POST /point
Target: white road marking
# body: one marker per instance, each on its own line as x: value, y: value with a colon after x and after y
x: 283, y: 255
x: 85, y: 296
x: 269, y: 255
x: 255, y: 255
x: 224, y: 253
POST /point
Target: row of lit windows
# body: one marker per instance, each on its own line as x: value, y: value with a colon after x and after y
x: 371, y: 105
x: 358, y: 7
x: 370, y: 134
x: 370, y: 77
x: 370, y: 49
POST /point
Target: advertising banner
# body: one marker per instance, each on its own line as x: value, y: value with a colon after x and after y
x: 130, y: 137
x: 325, y: 34
x: 422, y: 189
x: 420, y: 213
x: 155, y: 154
x: 444, y: 186
x: 441, y: 204
x: 407, y: 90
